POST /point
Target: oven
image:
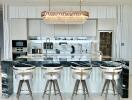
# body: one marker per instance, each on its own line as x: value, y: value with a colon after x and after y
x: 19, y: 48
x: 19, y: 43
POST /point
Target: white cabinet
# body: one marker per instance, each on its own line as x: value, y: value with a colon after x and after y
x: 111, y: 12
x: 34, y: 27
x: 75, y: 30
x: 18, y: 29
x: 31, y: 12
x: 22, y: 12
x: 106, y: 24
x: 101, y: 11
x: 46, y: 30
x: 89, y: 28
x: 92, y: 11
x: 13, y: 12
x: 39, y: 10
x: 61, y: 30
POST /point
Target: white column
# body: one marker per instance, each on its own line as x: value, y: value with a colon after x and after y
x: 7, y: 42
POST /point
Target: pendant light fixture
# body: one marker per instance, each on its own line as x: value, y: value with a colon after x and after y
x: 65, y: 17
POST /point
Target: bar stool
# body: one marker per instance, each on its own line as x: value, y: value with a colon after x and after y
x: 111, y: 75
x: 80, y: 74
x: 52, y: 73
x: 23, y: 73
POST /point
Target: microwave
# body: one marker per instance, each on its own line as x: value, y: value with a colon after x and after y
x: 19, y: 43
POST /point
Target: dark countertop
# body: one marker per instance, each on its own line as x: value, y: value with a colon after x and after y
x: 26, y: 62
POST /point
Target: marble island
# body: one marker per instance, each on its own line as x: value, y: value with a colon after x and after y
x: 10, y: 84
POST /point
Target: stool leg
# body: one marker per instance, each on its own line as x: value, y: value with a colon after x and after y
x: 50, y: 88
x: 29, y: 88
x: 54, y: 87
x: 57, y: 85
x: 112, y: 81
x: 116, y: 89
x: 47, y: 83
x: 83, y: 86
x: 104, y: 86
x: 107, y: 89
x: 19, y: 87
x: 75, y: 88
x: 86, y: 87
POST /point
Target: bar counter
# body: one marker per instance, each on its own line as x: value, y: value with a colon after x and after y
x: 9, y: 84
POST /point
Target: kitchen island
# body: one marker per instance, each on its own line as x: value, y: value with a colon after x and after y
x: 95, y: 83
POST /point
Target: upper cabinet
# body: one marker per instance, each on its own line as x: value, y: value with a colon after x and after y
x: 18, y: 29
x: 89, y: 28
x: 34, y: 27
x: 46, y: 30
x: 61, y: 30
x: 75, y: 30
x: 35, y: 11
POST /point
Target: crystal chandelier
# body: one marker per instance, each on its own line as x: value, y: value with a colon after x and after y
x: 65, y: 17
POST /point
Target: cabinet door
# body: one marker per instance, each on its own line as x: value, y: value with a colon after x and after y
x: 34, y: 27
x: 92, y: 11
x: 75, y: 30
x: 31, y: 12
x: 61, y: 30
x: 111, y: 12
x: 18, y: 29
x: 89, y: 28
x: 46, y: 30
x: 13, y: 12
x: 101, y: 11
x: 22, y: 12
x: 39, y: 10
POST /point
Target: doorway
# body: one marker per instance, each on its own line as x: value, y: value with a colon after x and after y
x: 106, y: 45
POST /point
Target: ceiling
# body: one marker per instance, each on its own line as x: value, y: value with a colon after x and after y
x: 66, y: 2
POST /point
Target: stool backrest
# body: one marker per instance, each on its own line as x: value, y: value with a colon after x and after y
x: 18, y: 70
x: 111, y: 72
x: 50, y: 69
x: 106, y: 69
x: 78, y: 69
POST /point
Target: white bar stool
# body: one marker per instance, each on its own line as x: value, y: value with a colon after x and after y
x: 80, y: 74
x: 111, y: 74
x: 52, y: 73
x: 24, y: 74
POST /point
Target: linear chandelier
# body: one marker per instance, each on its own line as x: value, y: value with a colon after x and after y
x: 65, y: 17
